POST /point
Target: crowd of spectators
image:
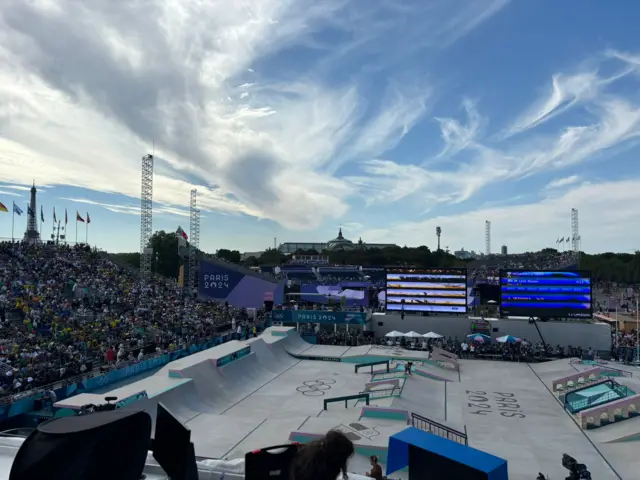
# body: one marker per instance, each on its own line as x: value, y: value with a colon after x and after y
x: 67, y: 311
x: 487, y: 268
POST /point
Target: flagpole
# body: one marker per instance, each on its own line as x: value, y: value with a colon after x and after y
x: 13, y: 221
x: 76, y: 229
x: 86, y: 232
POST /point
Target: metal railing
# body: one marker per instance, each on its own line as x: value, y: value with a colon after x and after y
x: 346, y: 399
x: 383, y: 392
x: 430, y: 426
x: 586, y: 403
x: 371, y: 364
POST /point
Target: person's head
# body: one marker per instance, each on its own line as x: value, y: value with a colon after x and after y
x: 374, y: 460
x: 323, y: 459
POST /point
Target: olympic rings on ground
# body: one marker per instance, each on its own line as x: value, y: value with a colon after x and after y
x: 315, y: 388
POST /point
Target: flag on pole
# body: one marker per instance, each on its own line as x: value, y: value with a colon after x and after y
x: 66, y: 218
x: 41, y: 214
x: 88, y: 219
x: 30, y: 212
x: 79, y: 218
x: 3, y: 208
x: 16, y: 209
x: 181, y: 233
x: 55, y: 219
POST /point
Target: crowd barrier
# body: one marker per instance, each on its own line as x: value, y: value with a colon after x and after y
x: 319, y: 316
x: 90, y: 381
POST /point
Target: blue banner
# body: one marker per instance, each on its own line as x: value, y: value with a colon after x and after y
x: 217, y: 282
x: 312, y: 316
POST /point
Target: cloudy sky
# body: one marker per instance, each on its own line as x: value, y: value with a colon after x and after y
x: 292, y: 117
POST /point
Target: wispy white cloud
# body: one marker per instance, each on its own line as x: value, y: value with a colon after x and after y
x: 563, y: 182
x: 604, y: 225
x: 458, y: 136
x: 612, y: 124
x: 13, y: 194
x: 130, y: 209
x: 194, y: 84
x: 22, y: 188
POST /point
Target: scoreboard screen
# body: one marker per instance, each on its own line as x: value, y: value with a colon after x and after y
x: 535, y: 293
x: 427, y: 290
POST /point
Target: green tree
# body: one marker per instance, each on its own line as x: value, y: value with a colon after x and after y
x: 232, y: 256
x: 165, y: 260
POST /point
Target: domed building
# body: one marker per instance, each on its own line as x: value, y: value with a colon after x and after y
x: 336, y: 244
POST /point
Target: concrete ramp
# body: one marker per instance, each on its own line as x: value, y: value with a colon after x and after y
x: 627, y: 430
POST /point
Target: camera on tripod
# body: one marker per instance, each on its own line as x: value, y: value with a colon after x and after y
x: 577, y: 471
x: 105, y: 407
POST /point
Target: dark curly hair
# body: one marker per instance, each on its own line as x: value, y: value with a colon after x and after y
x: 323, y: 459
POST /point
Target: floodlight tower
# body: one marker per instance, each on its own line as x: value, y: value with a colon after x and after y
x: 438, y: 233
x: 487, y: 237
x: 194, y: 239
x: 146, y: 216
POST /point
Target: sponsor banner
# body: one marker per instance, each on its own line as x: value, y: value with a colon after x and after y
x: 221, y: 362
x: 482, y: 327
x: 312, y: 316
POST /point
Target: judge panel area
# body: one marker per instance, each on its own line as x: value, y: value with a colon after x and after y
x: 271, y: 390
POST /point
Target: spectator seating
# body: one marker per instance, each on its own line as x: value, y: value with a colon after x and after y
x: 66, y: 311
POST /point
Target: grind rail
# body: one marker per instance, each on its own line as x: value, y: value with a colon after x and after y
x: 431, y: 426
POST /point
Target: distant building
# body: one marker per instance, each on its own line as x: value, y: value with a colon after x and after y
x: 503, y: 250
x: 337, y: 244
x: 247, y: 255
x: 464, y: 255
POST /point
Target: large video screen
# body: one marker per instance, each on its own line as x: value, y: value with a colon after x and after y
x: 534, y: 293
x: 427, y: 290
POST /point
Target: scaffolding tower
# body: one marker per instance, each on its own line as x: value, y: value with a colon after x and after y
x: 146, y: 216
x: 194, y: 239
x: 575, y: 231
x: 487, y: 237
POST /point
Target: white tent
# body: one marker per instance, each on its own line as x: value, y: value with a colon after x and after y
x: 394, y: 334
x: 432, y: 335
x: 412, y: 334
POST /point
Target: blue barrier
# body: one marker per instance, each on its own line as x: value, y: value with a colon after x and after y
x: 313, y: 316
x: 25, y: 405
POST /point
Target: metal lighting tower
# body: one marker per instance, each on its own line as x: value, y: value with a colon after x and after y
x: 438, y: 233
x: 194, y: 239
x: 487, y: 237
x: 146, y: 216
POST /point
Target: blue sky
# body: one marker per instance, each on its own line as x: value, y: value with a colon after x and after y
x: 292, y: 117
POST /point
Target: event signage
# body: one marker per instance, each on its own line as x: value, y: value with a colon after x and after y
x: 312, y: 316
x: 86, y: 385
x: 226, y: 360
x: 221, y: 283
x: 216, y: 281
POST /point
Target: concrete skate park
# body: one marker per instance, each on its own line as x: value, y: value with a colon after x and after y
x: 276, y: 388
